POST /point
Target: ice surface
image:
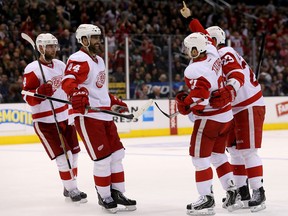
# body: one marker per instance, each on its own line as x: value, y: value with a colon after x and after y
x: 159, y: 175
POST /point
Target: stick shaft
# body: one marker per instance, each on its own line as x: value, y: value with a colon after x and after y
x: 261, y: 54
x: 129, y: 116
x: 35, y: 51
x: 176, y: 113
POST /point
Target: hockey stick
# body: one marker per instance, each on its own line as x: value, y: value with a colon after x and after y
x: 133, y: 116
x: 35, y: 51
x: 176, y: 113
x: 262, y: 48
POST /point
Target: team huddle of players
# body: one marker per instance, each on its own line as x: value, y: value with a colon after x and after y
x: 229, y: 114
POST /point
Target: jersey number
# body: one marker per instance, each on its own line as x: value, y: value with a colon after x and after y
x: 253, y: 80
x: 75, y: 68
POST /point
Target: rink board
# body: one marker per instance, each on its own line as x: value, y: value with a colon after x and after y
x: 16, y: 124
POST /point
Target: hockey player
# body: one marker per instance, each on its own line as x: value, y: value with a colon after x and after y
x: 43, y: 119
x: 211, y: 128
x: 85, y: 84
x: 244, y: 93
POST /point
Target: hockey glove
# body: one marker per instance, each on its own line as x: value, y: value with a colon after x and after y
x: 185, y: 11
x: 117, y: 105
x: 79, y: 99
x: 222, y: 96
x: 182, y: 107
x: 45, y: 89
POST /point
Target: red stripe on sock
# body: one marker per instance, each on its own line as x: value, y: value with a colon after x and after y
x: 255, y: 171
x: 75, y: 171
x: 102, y: 181
x: 239, y: 170
x: 204, y: 175
x: 224, y: 169
x: 117, y: 177
x: 65, y: 175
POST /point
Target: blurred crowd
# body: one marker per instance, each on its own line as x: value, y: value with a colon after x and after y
x: 148, y: 25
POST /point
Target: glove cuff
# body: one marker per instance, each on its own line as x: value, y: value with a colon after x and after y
x: 234, y: 83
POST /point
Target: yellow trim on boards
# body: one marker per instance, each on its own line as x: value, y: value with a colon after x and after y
x: 10, y: 140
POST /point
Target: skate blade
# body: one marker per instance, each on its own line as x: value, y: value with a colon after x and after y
x: 258, y: 208
x: 246, y: 206
x: 76, y: 203
x: 209, y: 211
x: 111, y: 210
x: 82, y: 201
x: 238, y: 205
x: 126, y: 208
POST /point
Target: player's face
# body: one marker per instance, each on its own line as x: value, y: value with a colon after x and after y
x: 95, y: 44
x: 50, y: 52
x: 194, y: 52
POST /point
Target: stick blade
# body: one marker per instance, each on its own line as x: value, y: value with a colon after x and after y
x: 142, y: 109
x: 168, y: 116
x: 27, y: 38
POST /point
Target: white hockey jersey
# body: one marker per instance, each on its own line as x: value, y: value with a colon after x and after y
x: 209, y: 69
x: 54, y: 72
x: 89, y: 73
x: 250, y: 93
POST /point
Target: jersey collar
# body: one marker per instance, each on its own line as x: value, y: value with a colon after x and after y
x: 93, y: 58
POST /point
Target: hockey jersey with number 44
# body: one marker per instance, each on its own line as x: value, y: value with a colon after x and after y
x: 83, y: 70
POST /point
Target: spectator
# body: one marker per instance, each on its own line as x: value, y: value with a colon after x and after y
x: 64, y: 41
x: 159, y: 20
x: 156, y: 93
x: 111, y: 41
x: 4, y: 87
x: 148, y: 53
x: 119, y: 74
x: 14, y: 95
x: 142, y: 92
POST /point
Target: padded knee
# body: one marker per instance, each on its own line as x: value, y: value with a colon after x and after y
x: 251, y: 158
x: 75, y: 160
x: 116, y: 163
x: 62, y: 162
x: 201, y: 163
x: 102, y: 167
x: 218, y: 159
x: 236, y: 157
x: 118, y: 155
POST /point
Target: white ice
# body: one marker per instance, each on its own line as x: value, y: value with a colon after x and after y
x: 159, y: 175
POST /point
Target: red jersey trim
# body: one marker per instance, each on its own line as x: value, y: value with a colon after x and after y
x: 215, y: 112
x: 250, y: 100
x: 71, y: 111
x: 49, y: 113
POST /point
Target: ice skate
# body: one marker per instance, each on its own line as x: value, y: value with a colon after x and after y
x: 245, y: 195
x: 108, y: 204
x: 203, y: 206
x: 257, y: 202
x: 120, y: 199
x: 75, y: 195
x: 232, y: 201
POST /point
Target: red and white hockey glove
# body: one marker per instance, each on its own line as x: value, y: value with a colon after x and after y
x: 79, y: 99
x: 182, y: 107
x: 45, y: 89
x: 222, y: 96
x: 117, y: 105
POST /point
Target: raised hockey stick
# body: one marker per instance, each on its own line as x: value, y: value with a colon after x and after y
x: 261, y: 55
x: 35, y: 51
x: 135, y: 115
x: 176, y: 113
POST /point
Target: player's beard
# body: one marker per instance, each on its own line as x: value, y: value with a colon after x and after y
x: 49, y: 57
x: 95, y: 49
